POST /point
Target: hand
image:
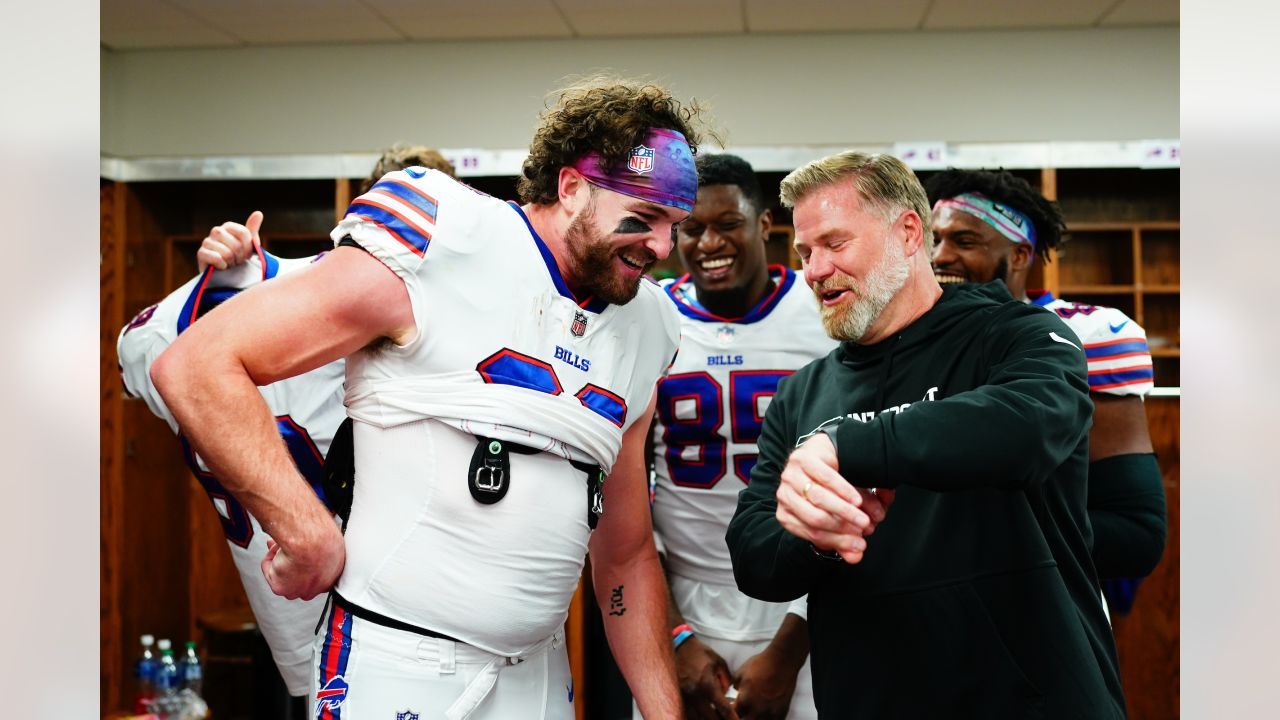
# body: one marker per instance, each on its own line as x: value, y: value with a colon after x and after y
x: 704, y: 678
x: 765, y: 685
x: 817, y: 504
x: 293, y: 579
x: 230, y: 243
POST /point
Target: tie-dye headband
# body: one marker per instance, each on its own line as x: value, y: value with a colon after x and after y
x: 1007, y: 221
x: 660, y: 171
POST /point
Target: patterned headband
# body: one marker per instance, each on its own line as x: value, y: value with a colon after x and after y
x: 660, y: 171
x: 1008, y: 222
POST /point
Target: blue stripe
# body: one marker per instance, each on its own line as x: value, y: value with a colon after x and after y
x: 188, y: 308
x: 410, y: 196
x: 392, y: 223
x: 691, y: 308
x: 603, y: 405
x: 1043, y: 300
x: 1123, y: 348
x: 324, y: 651
x: 271, y: 265
x: 1121, y: 377
x: 595, y: 306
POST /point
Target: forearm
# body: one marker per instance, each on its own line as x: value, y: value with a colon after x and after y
x: 769, y: 563
x: 1127, y: 512
x: 791, y: 643
x: 633, y: 600
x: 223, y: 415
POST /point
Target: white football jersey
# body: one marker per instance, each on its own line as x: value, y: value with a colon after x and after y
x: 503, y: 350
x: 308, y: 410
x: 1114, y: 345
x: 711, y: 407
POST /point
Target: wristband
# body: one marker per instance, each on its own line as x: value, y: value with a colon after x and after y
x: 679, y: 634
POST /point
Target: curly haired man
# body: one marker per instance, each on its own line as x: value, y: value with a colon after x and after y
x: 501, y: 364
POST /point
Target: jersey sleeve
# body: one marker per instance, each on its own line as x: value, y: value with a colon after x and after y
x: 396, y: 219
x: 147, y: 335
x: 1118, y: 357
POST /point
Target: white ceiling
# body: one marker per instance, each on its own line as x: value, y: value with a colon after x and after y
x: 142, y: 24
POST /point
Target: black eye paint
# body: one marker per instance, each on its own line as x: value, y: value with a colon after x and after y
x: 632, y: 226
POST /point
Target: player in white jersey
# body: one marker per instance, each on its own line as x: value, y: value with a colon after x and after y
x: 306, y: 409
x: 991, y: 225
x: 745, y: 325
x: 502, y: 360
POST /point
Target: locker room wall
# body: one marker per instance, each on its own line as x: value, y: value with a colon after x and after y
x: 765, y: 90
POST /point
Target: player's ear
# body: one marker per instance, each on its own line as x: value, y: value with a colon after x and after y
x: 913, y: 229
x: 573, y: 190
x: 1020, y: 257
x: 766, y: 222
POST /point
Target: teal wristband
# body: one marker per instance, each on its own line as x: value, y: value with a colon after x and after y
x: 678, y: 640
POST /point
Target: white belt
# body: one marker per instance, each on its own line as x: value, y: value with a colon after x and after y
x: 482, y: 684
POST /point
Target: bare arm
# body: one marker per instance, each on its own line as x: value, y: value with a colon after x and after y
x: 629, y: 584
x: 209, y: 378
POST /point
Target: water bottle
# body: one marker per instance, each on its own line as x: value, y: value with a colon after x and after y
x: 192, y: 673
x: 167, y: 680
x: 146, y: 669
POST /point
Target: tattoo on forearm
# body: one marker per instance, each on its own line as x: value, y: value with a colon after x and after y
x: 615, y: 602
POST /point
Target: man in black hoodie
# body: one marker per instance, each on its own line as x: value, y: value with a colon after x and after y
x: 969, y: 414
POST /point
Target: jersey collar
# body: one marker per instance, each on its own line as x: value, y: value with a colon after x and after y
x: 682, y: 293
x: 590, y: 304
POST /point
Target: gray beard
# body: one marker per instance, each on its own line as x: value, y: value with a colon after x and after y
x: 850, y: 322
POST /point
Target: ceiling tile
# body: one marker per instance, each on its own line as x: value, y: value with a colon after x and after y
x: 1000, y: 14
x: 294, y: 21
x: 139, y: 24
x: 620, y: 18
x: 469, y: 19
x: 834, y: 15
x: 1143, y: 12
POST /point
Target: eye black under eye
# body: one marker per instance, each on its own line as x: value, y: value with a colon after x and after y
x: 632, y: 225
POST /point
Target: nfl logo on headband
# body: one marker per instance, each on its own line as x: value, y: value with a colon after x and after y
x: 641, y: 160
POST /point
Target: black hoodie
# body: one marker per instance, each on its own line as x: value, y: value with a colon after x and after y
x: 976, y: 596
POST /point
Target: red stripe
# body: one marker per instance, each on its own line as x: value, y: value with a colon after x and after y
x: 412, y: 248
x: 1115, y: 342
x: 417, y: 210
x: 204, y: 282
x: 335, y: 643
x: 366, y: 200
x: 1108, y: 371
x: 1108, y: 386
x: 1109, y: 358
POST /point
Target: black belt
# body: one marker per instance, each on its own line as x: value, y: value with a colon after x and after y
x: 383, y: 620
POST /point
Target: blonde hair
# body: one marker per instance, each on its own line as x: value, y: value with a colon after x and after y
x: 399, y: 157
x: 883, y: 181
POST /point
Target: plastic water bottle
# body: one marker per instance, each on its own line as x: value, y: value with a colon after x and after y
x: 192, y: 673
x: 167, y: 680
x: 146, y: 670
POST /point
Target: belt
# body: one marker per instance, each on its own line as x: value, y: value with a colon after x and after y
x: 380, y: 619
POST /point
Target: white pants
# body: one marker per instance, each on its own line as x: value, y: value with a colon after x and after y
x: 365, y: 671
x: 736, y: 652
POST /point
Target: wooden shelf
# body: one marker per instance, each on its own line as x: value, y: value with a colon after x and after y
x: 1120, y: 226
x: 1166, y: 352
x: 1067, y: 290
x: 1161, y: 289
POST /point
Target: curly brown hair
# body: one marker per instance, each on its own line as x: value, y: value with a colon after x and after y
x: 607, y: 114
x: 399, y: 157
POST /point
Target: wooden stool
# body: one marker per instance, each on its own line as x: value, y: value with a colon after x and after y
x: 241, y: 681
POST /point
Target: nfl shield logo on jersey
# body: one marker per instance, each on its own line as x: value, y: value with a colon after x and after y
x: 579, y: 325
x: 407, y: 715
x: 724, y: 335
x: 641, y: 160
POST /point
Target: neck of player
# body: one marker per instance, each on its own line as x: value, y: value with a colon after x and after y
x: 738, y: 301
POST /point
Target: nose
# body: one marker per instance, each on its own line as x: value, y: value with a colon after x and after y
x: 661, y: 241
x: 710, y: 240
x: 819, y: 266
